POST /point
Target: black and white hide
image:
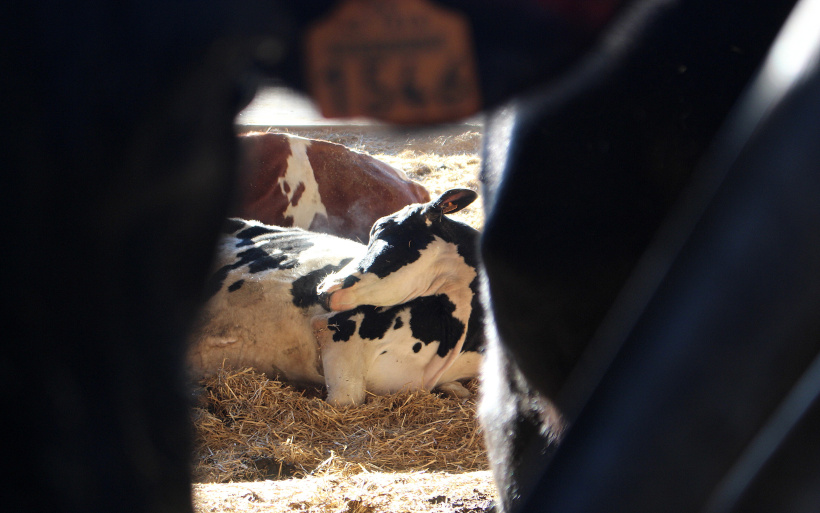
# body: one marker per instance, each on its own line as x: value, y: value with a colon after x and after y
x: 265, y: 312
x: 420, y: 253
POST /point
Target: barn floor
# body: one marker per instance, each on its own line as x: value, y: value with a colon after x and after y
x: 439, y: 159
x: 434, y: 492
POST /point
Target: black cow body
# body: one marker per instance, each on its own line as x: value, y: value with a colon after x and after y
x: 595, y: 166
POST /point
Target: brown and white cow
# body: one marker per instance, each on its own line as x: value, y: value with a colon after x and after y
x: 320, y: 186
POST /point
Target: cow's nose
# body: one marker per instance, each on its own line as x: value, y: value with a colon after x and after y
x: 341, y: 300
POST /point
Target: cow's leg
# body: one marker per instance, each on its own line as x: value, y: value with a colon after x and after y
x: 345, y: 364
x: 454, y: 389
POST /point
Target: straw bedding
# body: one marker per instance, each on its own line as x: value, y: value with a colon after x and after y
x: 249, y: 427
x: 417, y: 492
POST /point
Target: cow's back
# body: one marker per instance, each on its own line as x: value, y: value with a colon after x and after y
x: 318, y: 185
x: 358, y: 189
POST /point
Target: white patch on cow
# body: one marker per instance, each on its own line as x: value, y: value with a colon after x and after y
x: 382, y: 366
x: 396, y: 366
x: 454, y: 365
x: 299, y: 171
x: 467, y: 365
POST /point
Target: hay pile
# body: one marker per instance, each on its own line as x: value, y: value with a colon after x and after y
x: 250, y: 427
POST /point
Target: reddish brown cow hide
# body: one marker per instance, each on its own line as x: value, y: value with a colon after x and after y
x: 317, y: 185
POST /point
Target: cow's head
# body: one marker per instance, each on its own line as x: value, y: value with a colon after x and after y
x: 417, y: 251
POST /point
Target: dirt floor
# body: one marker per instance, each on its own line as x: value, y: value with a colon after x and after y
x: 399, y: 492
x: 233, y: 435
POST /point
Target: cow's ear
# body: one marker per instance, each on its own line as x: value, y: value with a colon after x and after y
x: 451, y: 201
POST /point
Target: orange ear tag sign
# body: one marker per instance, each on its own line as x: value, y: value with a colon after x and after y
x: 402, y: 61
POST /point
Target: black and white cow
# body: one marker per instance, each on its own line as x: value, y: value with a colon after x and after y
x: 264, y: 309
x: 419, y: 252
x: 403, y: 347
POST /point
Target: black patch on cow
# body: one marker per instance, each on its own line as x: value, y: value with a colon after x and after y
x: 399, y: 323
x: 304, y: 288
x: 395, y: 243
x: 258, y: 260
x: 349, y: 281
x: 474, y: 341
x: 235, y: 285
x: 417, y: 347
x: 342, y: 326
x: 254, y: 231
x: 374, y: 324
x: 274, y: 248
x: 431, y: 319
x: 275, y: 239
x: 233, y: 225
x: 377, y: 321
x: 382, y: 353
x: 465, y: 238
